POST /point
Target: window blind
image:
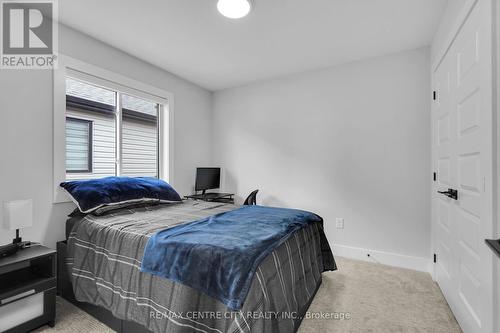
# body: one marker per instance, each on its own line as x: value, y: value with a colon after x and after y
x: 78, y: 145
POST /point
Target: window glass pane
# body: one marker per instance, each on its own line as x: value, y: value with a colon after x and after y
x: 103, y: 119
x: 91, y: 133
x: 90, y: 92
x: 139, y: 137
x: 78, y: 145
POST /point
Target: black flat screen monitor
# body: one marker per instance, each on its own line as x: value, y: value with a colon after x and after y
x: 207, y: 178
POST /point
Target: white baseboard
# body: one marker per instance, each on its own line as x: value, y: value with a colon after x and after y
x: 386, y: 258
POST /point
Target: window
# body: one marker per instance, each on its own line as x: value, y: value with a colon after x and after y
x: 109, y: 133
x: 78, y: 145
x: 107, y: 124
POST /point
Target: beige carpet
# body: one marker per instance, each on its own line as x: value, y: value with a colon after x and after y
x: 71, y: 319
x: 370, y: 297
x: 380, y: 299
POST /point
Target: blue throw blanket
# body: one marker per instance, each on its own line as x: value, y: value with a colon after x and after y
x: 219, y: 255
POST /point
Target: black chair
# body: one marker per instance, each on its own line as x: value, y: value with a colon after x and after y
x: 251, y: 199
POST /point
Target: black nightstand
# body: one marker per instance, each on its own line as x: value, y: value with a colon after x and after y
x: 28, y: 289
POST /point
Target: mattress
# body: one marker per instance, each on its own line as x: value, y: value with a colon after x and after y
x: 104, y: 259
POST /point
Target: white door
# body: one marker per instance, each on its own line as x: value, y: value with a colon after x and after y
x: 462, y: 158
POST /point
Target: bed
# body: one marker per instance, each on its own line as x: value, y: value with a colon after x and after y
x: 99, y: 270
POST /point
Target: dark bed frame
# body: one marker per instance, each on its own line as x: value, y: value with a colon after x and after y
x: 65, y: 290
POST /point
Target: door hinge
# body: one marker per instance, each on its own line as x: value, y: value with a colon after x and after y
x: 435, y: 258
x: 434, y: 95
x: 435, y: 176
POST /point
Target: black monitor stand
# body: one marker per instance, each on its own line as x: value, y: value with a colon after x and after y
x: 212, y: 196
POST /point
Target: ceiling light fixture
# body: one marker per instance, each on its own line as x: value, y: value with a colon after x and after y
x: 234, y: 9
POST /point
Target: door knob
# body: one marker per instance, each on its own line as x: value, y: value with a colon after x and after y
x: 451, y: 193
x: 494, y: 245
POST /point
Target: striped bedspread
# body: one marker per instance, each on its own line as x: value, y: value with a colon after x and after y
x: 104, y: 260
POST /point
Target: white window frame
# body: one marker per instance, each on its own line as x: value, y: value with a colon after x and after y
x: 95, y: 75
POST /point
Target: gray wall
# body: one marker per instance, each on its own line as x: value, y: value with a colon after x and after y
x: 351, y: 141
x: 447, y: 22
x: 26, y: 130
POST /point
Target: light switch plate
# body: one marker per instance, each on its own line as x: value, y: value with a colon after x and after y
x: 340, y: 223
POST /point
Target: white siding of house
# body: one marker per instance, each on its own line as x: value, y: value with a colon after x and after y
x: 103, y: 146
x: 139, y: 149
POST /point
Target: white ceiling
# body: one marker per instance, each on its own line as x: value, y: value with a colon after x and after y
x: 279, y: 37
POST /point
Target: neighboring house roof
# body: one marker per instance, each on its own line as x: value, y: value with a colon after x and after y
x: 90, y: 92
x: 139, y: 105
x: 101, y: 95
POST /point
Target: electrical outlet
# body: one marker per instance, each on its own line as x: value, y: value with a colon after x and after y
x: 340, y: 223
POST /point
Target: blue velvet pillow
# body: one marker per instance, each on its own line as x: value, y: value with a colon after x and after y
x: 90, y: 195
